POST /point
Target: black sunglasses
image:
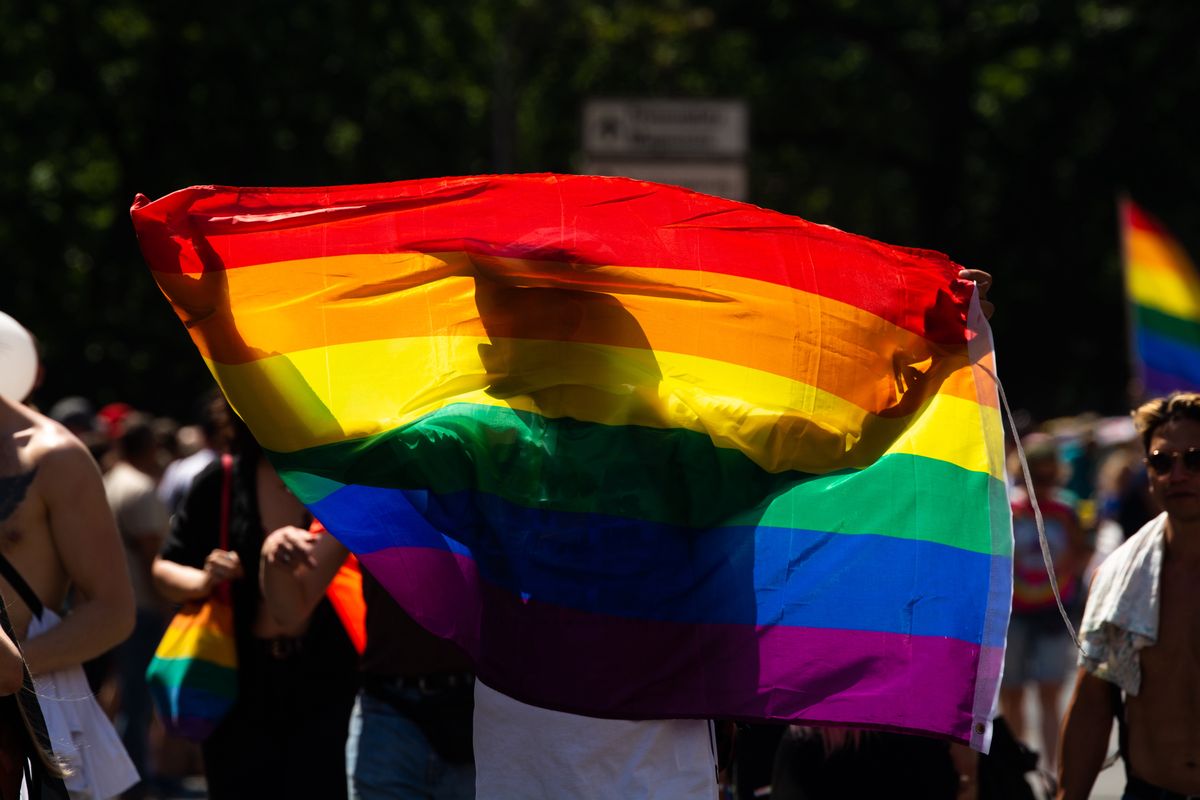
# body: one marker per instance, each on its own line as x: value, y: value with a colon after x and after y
x: 1161, y: 462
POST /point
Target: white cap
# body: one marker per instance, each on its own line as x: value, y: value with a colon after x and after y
x: 18, y: 360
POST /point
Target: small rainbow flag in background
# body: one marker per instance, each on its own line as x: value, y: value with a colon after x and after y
x: 1164, y: 299
x: 642, y: 452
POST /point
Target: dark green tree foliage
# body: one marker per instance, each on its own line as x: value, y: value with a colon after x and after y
x: 999, y: 132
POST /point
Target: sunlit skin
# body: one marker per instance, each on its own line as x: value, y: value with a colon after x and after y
x: 1164, y: 718
x: 1178, y: 491
x: 277, y: 508
x: 58, y: 532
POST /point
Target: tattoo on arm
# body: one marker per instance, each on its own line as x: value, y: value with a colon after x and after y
x: 12, y: 491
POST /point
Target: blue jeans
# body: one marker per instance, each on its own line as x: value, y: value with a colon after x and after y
x: 389, y: 758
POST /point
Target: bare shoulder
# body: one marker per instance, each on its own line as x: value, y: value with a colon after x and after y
x: 31, y: 442
x: 34, y: 434
x: 80, y: 523
x: 68, y: 481
x: 48, y: 437
x: 57, y: 483
x: 59, y: 457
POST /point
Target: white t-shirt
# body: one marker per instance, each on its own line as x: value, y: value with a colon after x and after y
x: 523, y: 752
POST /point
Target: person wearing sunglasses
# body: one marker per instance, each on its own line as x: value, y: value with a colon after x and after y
x: 1140, y: 659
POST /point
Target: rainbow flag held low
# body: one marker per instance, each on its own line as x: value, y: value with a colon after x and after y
x: 1163, y: 289
x: 192, y: 677
x: 643, y: 453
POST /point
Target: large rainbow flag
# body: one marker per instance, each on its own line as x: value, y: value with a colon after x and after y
x: 1164, y: 304
x: 642, y: 452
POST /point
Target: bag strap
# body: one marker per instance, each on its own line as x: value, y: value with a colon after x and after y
x: 22, y: 588
x: 226, y: 487
x: 226, y: 500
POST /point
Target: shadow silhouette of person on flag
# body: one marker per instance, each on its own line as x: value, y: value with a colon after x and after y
x: 605, y: 570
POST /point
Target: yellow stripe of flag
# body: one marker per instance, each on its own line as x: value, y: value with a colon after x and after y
x: 352, y: 390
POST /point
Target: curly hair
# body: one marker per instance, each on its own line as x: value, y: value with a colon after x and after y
x: 1149, y: 417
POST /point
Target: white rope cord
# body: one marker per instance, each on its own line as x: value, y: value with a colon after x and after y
x: 1037, y: 512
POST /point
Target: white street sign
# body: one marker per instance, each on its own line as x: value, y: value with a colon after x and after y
x: 675, y: 128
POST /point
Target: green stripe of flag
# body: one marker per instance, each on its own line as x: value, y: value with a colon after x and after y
x: 205, y: 675
x: 1165, y: 325
x: 636, y: 472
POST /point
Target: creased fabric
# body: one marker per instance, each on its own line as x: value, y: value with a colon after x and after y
x: 1122, y: 610
x: 642, y: 453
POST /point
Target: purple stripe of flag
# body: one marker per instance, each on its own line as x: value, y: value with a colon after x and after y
x: 1158, y: 383
x: 550, y: 656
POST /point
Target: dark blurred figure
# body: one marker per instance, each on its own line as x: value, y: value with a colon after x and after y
x: 111, y: 419
x: 1135, y: 506
x: 142, y: 521
x: 848, y: 764
x: 213, y: 424
x: 166, y: 436
x: 1081, y: 458
x: 77, y: 415
x: 410, y: 729
x: 189, y: 440
x: 286, y: 733
x: 844, y: 763
x: 754, y: 759
x: 1113, y: 480
x: 1039, y: 650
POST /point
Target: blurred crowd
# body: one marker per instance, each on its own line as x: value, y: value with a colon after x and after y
x: 148, y: 464
x: 337, y: 689
x: 1088, y: 478
x: 387, y: 711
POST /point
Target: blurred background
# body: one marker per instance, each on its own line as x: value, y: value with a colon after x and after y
x: 1000, y: 132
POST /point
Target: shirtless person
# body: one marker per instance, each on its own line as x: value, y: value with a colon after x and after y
x: 1141, y: 630
x: 58, y: 537
x: 57, y: 531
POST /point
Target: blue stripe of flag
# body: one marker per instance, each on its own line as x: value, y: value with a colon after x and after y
x: 1169, y: 357
x: 739, y: 575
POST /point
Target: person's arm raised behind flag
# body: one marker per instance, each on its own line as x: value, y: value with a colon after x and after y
x: 294, y: 569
